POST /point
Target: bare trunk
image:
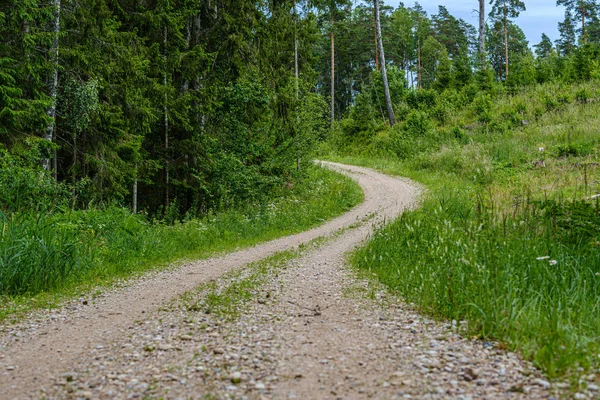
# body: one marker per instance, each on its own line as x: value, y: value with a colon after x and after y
x: 296, y: 68
x: 376, y: 43
x: 188, y: 41
x: 166, y: 118
x: 53, y: 86
x: 481, y: 28
x: 74, y: 165
x: 297, y: 74
x: 386, y: 88
x: 419, y: 52
x: 419, y: 64
x: 505, y: 41
x: 135, y: 191
x: 197, y: 33
x: 583, y: 21
x: 332, y: 69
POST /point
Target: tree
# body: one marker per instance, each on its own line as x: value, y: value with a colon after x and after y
x: 567, y: 41
x: 451, y: 32
x: 503, y: 10
x: 433, y: 54
x: 386, y: 88
x: 544, y: 48
x: 517, y: 46
x: 331, y: 6
x: 481, y: 28
x: 404, y: 25
x: 583, y: 10
x: 422, y: 32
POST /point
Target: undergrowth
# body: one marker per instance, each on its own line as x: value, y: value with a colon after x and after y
x: 508, y: 235
x: 43, y: 254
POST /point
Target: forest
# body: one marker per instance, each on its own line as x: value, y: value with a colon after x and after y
x: 199, y: 105
x: 137, y: 132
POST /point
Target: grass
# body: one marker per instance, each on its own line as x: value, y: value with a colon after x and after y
x: 228, y: 297
x: 508, y: 236
x: 46, y: 257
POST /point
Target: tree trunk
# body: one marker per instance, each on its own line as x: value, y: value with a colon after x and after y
x: 296, y: 68
x: 376, y: 43
x: 481, y: 28
x: 188, y: 41
x: 297, y: 74
x: 135, y: 191
x: 74, y: 165
x: 53, y: 86
x: 332, y: 68
x: 386, y: 88
x: 419, y: 64
x: 583, y: 21
x: 505, y: 41
x: 166, y: 119
x: 419, y: 52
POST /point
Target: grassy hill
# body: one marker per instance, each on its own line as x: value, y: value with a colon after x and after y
x: 508, y: 237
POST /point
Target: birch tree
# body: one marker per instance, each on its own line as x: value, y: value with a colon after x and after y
x: 386, y: 88
x: 53, y: 81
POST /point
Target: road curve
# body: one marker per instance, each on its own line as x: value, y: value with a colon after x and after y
x: 33, y: 357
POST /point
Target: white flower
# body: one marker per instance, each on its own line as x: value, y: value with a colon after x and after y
x: 553, y: 262
x: 541, y: 149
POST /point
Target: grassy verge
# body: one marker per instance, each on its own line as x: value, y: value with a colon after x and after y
x: 44, y: 258
x: 508, y: 236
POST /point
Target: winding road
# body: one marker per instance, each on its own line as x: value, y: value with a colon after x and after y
x: 314, y: 330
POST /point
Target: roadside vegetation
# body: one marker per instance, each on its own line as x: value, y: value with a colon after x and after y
x: 46, y: 252
x: 508, y: 236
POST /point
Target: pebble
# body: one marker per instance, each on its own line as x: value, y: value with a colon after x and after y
x: 236, y: 377
x: 272, y: 348
x: 540, y: 382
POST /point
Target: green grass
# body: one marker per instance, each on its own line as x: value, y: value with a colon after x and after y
x: 509, y: 246
x: 228, y: 297
x: 44, y: 257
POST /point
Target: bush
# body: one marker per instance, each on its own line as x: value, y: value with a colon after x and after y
x: 23, y: 187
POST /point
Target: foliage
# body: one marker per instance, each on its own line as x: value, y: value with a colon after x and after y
x: 507, y: 238
x: 52, y: 252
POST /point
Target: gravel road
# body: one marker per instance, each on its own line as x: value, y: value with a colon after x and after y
x: 304, y: 327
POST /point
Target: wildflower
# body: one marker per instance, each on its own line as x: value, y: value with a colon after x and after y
x: 553, y: 262
x: 543, y: 258
x: 541, y: 149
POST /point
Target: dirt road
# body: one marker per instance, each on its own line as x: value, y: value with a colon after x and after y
x: 312, y: 329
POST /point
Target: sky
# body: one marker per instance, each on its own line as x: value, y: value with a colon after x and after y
x: 542, y: 16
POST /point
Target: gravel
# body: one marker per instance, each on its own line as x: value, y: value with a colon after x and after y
x: 310, y: 328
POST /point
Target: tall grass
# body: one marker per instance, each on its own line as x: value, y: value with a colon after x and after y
x: 508, y: 238
x: 530, y: 278
x: 42, y: 252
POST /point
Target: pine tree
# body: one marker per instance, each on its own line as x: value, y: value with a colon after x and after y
x: 503, y: 11
x: 582, y: 10
x: 496, y: 40
x: 567, y: 41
